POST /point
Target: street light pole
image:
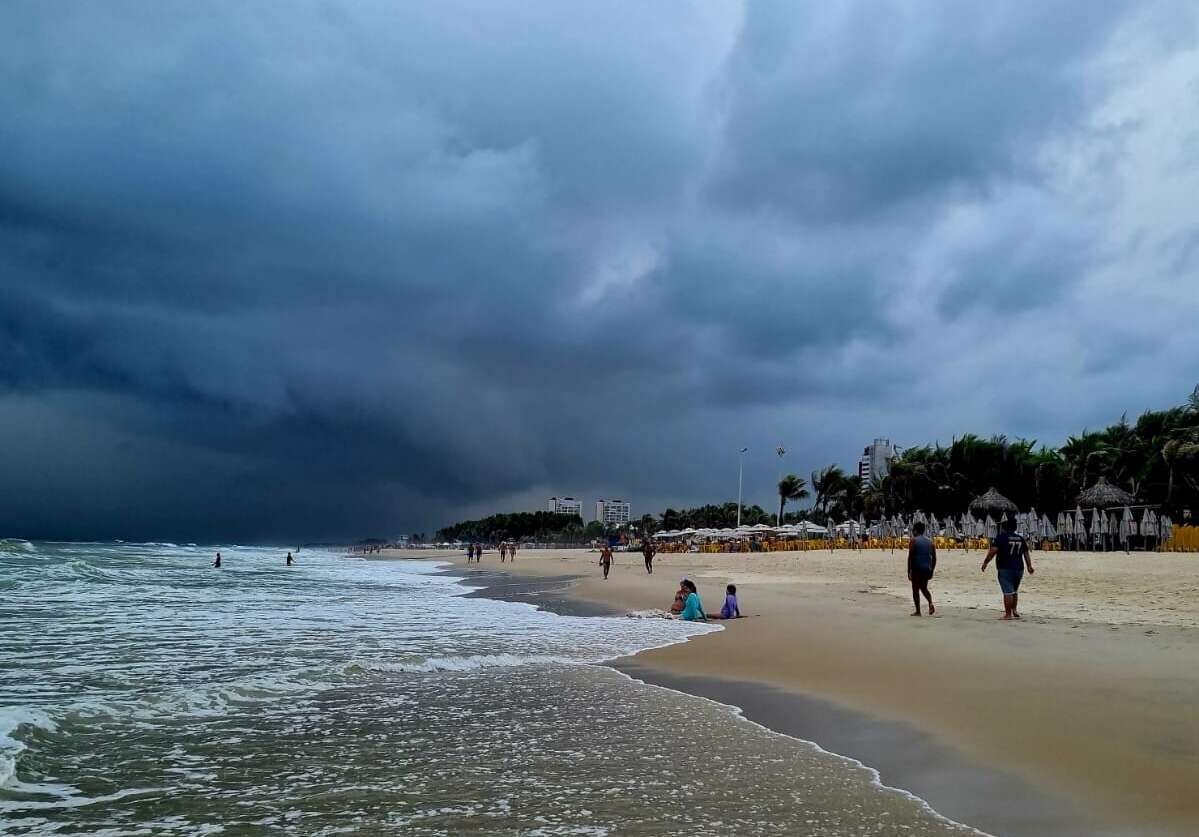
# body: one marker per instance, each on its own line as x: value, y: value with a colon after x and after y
x: 740, y: 473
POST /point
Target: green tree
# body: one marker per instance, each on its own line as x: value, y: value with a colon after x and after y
x: 791, y: 488
x: 829, y: 485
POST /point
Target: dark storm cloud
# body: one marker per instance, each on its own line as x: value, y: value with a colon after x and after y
x: 314, y: 269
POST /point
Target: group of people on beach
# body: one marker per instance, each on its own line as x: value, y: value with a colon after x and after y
x: 689, y: 607
x: 1009, y: 550
x: 474, y: 552
x: 648, y: 551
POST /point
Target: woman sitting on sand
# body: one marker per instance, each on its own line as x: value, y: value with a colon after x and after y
x: 693, y: 608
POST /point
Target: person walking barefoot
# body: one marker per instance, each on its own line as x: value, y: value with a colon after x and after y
x: 648, y: 550
x: 922, y: 563
x: 1011, y: 554
x: 606, y: 560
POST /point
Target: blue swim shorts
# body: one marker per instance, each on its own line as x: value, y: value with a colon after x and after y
x: 1009, y: 581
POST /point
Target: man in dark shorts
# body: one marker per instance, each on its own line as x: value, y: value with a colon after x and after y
x: 1010, y: 551
x: 606, y: 560
x: 922, y: 562
x: 647, y: 549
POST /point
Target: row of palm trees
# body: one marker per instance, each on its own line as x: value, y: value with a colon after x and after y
x: 1156, y: 459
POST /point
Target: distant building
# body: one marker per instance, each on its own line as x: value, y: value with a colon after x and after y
x: 566, y: 505
x: 876, y: 460
x: 612, y: 512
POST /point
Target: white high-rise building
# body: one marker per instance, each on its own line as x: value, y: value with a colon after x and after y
x: 612, y: 512
x: 565, y: 505
x: 876, y: 460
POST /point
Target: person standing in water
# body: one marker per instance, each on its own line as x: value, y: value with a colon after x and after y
x: 922, y: 562
x: 1010, y: 551
x: 648, y: 550
x: 606, y: 560
x: 290, y: 560
x: 217, y: 562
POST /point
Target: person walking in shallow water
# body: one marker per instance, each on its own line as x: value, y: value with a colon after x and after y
x: 217, y: 562
x: 922, y: 563
x: 290, y: 560
x: 1010, y: 551
x: 606, y: 560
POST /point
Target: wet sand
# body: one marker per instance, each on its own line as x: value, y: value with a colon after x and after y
x: 1081, y: 719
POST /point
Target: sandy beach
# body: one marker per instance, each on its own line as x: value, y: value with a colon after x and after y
x: 1090, y: 699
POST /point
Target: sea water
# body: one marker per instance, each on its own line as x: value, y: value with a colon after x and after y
x: 143, y: 692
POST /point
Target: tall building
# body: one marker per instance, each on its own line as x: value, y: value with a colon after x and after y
x: 612, y: 512
x: 566, y: 505
x: 876, y: 460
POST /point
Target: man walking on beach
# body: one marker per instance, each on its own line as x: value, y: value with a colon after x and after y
x: 922, y: 562
x: 606, y: 560
x: 647, y: 549
x: 1010, y: 551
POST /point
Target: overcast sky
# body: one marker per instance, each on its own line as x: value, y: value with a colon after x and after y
x: 298, y: 270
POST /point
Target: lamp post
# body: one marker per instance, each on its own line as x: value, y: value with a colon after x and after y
x: 740, y: 474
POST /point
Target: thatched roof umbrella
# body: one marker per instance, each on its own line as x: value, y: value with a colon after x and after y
x: 1104, y: 495
x: 993, y: 503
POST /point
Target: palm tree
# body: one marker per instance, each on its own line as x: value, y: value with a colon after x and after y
x: 829, y: 484
x: 791, y: 487
x: 1182, y: 448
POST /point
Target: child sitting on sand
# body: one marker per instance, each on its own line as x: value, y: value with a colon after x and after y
x: 680, y: 598
x: 730, y: 610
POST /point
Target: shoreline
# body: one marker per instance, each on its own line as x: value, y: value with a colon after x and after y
x: 831, y: 688
x: 901, y: 758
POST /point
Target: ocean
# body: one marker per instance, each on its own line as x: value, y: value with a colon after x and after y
x: 143, y: 692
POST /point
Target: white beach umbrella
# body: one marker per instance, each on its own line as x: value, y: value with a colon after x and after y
x: 1128, y: 525
x: 1098, y: 523
x: 1149, y: 524
x: 1166, y: 528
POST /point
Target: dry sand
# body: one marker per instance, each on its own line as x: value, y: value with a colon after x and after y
x: 1093, y: 696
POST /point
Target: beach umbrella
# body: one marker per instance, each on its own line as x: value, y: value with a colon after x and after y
x: 1166, y: 527
x: 1098, y: 523
x: 1104, y: 495
x: 990, y: 528
x: 1128, y: 526
x: 993, y: 503
x: 1061, y: 523
x: 1048, y: 530
x: 1149, y: 524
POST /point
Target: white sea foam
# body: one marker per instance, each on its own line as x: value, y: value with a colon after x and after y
x: 12, y: 718
x: 16, y: 545
x: 464, y: 663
